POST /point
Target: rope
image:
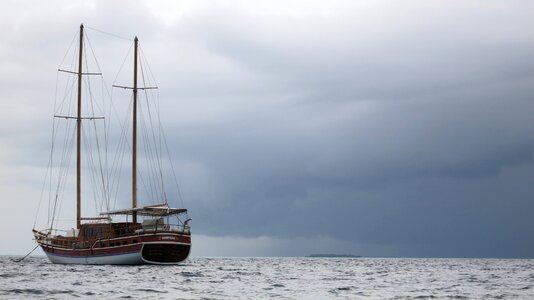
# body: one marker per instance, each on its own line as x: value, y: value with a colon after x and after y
x: 19, y: 260
x: 110, y: 34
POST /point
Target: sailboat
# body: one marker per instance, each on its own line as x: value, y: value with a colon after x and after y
x: 151, y: 234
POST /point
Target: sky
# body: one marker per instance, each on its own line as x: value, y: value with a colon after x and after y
x: 375, y: 128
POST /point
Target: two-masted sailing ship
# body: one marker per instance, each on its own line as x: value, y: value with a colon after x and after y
x: 151, y: 234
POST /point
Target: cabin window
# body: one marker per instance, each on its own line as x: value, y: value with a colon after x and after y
x: 91, y: 232
x: 112, y: 244
x: 134, y: 241
x: 125, y: 242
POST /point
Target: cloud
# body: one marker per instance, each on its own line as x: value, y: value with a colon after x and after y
x: 394, y: 128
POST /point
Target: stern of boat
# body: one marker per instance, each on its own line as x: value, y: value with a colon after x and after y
x: 165, y: 253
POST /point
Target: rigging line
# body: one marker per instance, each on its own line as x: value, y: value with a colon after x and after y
x: 108, y: 129
x: 156, y: 149
x: 147, y: 187
x: 50, y: 170
x: 124, y: 129
x: 88, y: 163
x: 93, y: 171
x: 150, y: 187
x: 117, y: 163
x: 148, y: 65
x: 106, y: 157
x: 146, y: 144
x: 90, y: 93
x: 120, y: 154
x: 98, y: 170
x: 149, y: 157
x: 55, y: 95
x: 104, y: 86
x: 162, y: 132
x: 160, y: 145
x: 122, y: 141
x: 67, y: 89
x: 116, y: 169
x: 91, y: 103
x: 105, y: 170
x: 86, y: 36
x: 68, y: 94
x: 63, y: 171
x: 91, y: 167
x: 110, y: 34
x: 101, y: 76
x: 100, y: 163
x: 164, y: 139
x: 59, y: 176
x: 160, y: 138
x: 52, y: 173
x: 68, y: 49
x: 150, y: 161
x: 113, y: 109
x: 70, y: 83
x: 19, y: 260
x: 66, y: 156
x: 123, y: 62
x: 154, y: 159
x: 114, y: 186
x: 172, y: 168
x: 69, y: 86
x: 171, y: 162
x: 149, y: 77
x: 48, y: 167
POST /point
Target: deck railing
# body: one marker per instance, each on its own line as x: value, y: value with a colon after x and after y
x: 60, y: 237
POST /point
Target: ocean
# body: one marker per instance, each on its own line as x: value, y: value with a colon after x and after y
x: 273, y: 278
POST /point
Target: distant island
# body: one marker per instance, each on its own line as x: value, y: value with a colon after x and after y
x: 334, y: 255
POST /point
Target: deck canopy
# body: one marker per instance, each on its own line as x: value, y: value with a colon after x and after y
x: 151, y: 210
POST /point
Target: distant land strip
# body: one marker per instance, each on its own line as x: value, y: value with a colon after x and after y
x: 334, y: 255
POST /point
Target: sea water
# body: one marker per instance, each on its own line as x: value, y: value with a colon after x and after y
x: 273, y: 278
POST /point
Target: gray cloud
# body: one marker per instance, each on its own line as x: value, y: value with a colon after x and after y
x: 396, y: 129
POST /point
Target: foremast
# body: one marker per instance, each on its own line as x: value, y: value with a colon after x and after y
x: 79, y: 119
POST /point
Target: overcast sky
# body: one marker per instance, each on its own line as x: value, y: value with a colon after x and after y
x: 379, y: 128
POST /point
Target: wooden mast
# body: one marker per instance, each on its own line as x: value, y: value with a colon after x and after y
x: 79, y: 136
x: 134, y: 136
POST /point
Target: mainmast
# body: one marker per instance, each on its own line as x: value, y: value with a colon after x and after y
x: 134, y: 137
x: 79, y: 136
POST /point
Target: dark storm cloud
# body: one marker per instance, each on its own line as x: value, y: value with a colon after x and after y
x: 433, y: 116
x: 387, y: 128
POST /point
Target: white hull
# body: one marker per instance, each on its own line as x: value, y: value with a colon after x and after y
x: 133, y: 258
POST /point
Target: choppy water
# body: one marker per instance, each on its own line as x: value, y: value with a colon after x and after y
x: 285, y: 278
